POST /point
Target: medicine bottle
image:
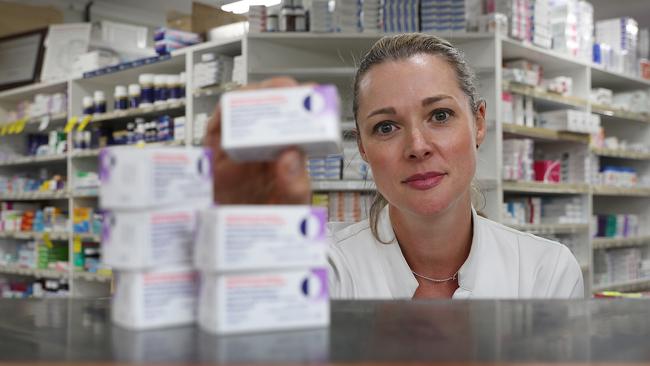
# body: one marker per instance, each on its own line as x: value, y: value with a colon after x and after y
x: 134, y: 95
x: 121, y: 98
x: 87, y: 105
x: 147, y: 97
x: 99, y: 100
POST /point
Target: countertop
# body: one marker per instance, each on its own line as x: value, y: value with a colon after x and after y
x: 78, y: 330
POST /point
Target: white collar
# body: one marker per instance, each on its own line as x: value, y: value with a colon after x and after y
x: 400, y: 278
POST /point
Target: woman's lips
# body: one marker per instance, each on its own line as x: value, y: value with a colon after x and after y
x: 424, y: 181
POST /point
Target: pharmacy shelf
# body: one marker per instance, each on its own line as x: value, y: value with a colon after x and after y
x: 34, y: 160
x: 93, y: 153
x: 620, y: 191
x: 32, y: 235
x: 550, y: 228
x: 94, y: 238
x: 539, y: 187
x: 632, y: 285
x: 550, y: 60
x: 308, y: 72
x: 85, y: 193
x: 616, y: 81
x: 553, y: 99
x: 54, y: 119
x: 175, y: 107
x: 25, y: 92
x: 214, y: 90
x: 32, y: 272
x: 622, y: 154
x: 296, y: 37
x: 342, y: 185
x: 544, y: 134
x: 617, y: 113
x: 34, y: 196
x: 92, y: 277
x: 608, y: 243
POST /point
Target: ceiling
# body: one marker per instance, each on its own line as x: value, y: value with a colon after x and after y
x: 637, y: 9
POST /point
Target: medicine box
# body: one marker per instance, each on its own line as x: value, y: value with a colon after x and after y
x: 249, y: 237
x: 145, y: 239
x: 264, y: 301
x: 258, y: 124
x: 142, y: 178
x: 157, y: 298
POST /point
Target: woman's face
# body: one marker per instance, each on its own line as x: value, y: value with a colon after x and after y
x: 418, y: 133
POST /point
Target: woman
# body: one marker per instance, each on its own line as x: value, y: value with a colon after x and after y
x: 420, y: 123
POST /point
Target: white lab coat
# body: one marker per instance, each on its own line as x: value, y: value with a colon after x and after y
x: 502, y: 263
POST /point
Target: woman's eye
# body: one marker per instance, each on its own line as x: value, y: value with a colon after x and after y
x: 384, y: 128
x: 440, y: 115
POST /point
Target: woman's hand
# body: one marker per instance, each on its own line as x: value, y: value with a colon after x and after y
x: 282, y: 181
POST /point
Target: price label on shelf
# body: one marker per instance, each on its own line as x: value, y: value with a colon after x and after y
x: 47, y: 241
x: 84, y: 122
x: 3, y: 130
x: 70, y: 125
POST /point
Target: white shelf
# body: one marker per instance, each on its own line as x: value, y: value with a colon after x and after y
x: 32, y: 160
x: 93, y: 153
x: 342, y: 185
x: 54, y: 118
x: 92, y: 277
x: 85, y: 153
x: 337, y: 72
x: 621, y: 114
x: 607, y: 243
x: 621, y: 191
x: 32, y: 235
x: 138, y: 112
x: 612, y: 80
x: 33, y: 272
x: 550, y: 228
x: 539, y: 187
x: 632, y: 285
x: 34, y: 196
x: 550, y: 60
x: 85, y: 193
x: 539, y: 94
x: 544, y: 134
x: 25, y: 92
x: 214, y: 90
x: 622, y: 154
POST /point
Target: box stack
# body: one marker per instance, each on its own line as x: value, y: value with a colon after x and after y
x: 621, y: 34
x: 257, y: 18
x: 401, y: 16
x: 442, y: 15
x: 519, y: 14
x: 564, y: 26
x: 263, y: 268
x: 518, y: 159
x: 585, y: 29
x: 321, y: 17
x: 213, y: 70
x: 540, y: 20
x: 152, y: 198
x: 167, y: 40
x: 371, y: 16
x: 347, y: 16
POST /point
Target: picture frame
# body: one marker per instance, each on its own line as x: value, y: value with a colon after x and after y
x: 21, y: 58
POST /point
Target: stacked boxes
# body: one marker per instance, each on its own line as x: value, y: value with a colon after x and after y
x: 540, y: 22
x: 257, y: 18
x: 564, y: 25
x: 263, y: 268
x: 151, y: 197
x: 519, y: 14
x: 442, y: 15
x: 321, y: 19
x: 347, y: 16
x: 401, y: 16
x: 621, y: 34
x: 213, y: 70
x: 570, y: 120
x: 538, y: 210
x: 372, y: 19
x: 518, y: 159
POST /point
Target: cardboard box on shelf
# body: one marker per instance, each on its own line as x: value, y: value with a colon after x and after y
x: 202, y: 19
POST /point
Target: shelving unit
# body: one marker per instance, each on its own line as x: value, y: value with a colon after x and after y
x: 332, y: 58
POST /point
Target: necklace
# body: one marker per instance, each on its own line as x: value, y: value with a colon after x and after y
x: 453, y: 277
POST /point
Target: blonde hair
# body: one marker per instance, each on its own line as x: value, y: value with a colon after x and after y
x: 401, y: 47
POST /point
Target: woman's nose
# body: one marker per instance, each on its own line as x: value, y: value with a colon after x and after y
x: 418, y: 146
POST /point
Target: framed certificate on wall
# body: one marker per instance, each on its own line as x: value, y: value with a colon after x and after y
x: 21, y: 58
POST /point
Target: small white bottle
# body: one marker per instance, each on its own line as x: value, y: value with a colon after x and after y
x: 99, y: 100
x: 146, y: 90
x: 121, y: 98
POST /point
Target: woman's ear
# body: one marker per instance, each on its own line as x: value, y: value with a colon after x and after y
x: 480, y: 123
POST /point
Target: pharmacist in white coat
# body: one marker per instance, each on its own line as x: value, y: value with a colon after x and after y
x: 420, y: 123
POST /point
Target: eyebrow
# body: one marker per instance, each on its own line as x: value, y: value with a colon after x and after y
x: 425, y: 102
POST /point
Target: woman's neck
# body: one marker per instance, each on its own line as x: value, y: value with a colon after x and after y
x: 435, y: 246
